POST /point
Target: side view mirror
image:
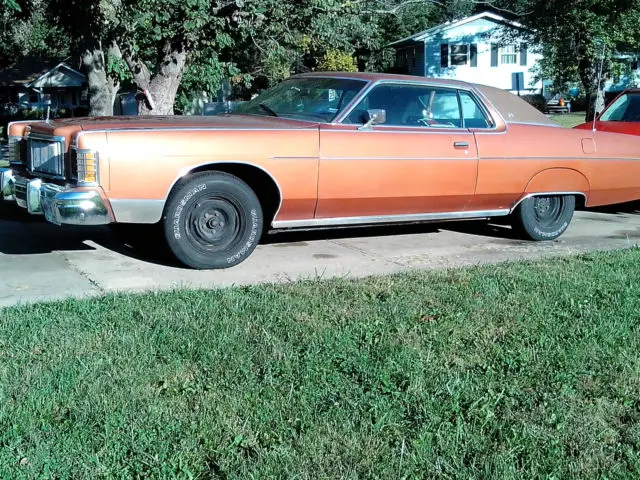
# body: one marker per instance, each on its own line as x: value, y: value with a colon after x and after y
x: 374, y: 117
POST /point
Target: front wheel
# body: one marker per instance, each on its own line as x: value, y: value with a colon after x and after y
x: 213, y: 220
x: 543, y: 217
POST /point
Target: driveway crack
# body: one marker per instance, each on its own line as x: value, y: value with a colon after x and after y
x: 83, y: 274
x: 364, y: 252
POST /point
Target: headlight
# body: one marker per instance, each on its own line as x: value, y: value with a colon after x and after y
x: 84, y: 167
x: 15, y: 145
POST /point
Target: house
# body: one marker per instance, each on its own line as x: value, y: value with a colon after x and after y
x: 472, y: 49
x: 35, y: 83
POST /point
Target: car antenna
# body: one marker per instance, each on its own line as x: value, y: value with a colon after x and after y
x: 595, y: 104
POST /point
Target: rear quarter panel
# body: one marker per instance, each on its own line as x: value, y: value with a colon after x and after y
x: 512, y: 165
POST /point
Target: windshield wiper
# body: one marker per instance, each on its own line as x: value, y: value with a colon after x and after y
x: 268, y: 109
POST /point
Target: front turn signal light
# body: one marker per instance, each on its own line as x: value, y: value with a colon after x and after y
x: 86, y: 163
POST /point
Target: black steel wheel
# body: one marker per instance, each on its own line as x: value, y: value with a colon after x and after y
x: 544, y: 217
x: 213, y: 220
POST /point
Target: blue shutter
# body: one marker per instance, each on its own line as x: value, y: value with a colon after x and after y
x: 523, y: 55
x: 444, y: 55
x: 494, y: 55
x: 473, y: 54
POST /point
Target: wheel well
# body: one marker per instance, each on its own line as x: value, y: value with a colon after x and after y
x: 581, y: 198
x: 262, y: 183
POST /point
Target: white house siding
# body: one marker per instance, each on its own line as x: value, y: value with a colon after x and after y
x: 474, y: 33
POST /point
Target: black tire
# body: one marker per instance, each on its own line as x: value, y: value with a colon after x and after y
x: 543, y: 217
x: 213, y: 220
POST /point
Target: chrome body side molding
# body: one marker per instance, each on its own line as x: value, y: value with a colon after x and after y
x: 380, y: 219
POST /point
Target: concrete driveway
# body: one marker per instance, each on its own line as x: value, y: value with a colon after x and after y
x: 39, y: 261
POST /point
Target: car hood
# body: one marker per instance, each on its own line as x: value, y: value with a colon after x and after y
x: 630, y: 128
x: 69, y: 126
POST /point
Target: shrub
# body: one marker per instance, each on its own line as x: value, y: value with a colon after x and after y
x: 538, y: 101
x: 337, y: 61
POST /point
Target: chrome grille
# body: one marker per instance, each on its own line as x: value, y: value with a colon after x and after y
x: 45, y: 156
x: 21, y: 193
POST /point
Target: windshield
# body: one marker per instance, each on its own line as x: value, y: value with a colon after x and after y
x: 314, y: 99
x: 625, y: 109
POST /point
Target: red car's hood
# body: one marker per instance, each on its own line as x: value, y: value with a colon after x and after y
x: 630, y: 128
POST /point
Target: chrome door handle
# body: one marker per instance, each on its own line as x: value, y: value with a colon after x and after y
x: 460, y: 145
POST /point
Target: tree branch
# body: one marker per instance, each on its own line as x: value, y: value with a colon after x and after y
x: 139, y: 71
x: 386, y: 7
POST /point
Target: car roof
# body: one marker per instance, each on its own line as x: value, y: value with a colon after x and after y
x: 374, y: 77
x: 512, y: 108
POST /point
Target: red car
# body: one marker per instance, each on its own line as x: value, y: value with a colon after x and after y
x: 622, y: 115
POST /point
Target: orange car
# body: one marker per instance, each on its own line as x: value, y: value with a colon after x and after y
x: 320, y: 151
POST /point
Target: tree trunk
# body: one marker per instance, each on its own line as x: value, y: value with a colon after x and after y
x: 163, y: 86
x: 102, y: 89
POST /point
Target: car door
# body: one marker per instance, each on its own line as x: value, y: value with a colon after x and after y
x: 421, y: 160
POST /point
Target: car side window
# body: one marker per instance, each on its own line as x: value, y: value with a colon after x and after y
x: 625, y: 109
x: 472, y: 114
x: 411, y: 106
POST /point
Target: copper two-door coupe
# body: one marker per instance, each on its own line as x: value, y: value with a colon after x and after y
x: 320, y: 150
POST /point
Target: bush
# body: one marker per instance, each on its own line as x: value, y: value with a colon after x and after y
x: 337, y: 61
x: 538, y: 101
x: 579, y: 104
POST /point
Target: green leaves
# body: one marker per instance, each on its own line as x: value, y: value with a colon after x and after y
x: 10, y: 5
x: 572, y: 34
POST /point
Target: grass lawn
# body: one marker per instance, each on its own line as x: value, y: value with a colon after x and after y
x: 569, y: 120
x: 523, y: 370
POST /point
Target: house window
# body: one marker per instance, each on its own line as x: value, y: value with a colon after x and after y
x: 508, y: 55
x: 401, y: 58
x: 459, y: 55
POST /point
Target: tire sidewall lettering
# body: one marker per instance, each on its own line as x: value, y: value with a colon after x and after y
x: 250, y: 241
x: 177, y: 215
x: 552, y: 234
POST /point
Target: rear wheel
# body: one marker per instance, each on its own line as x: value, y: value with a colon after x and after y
x: 213, y: 220
x: 544, y: 217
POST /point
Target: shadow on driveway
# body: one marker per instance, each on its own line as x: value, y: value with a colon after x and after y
x: 619, y: 208
x: 23, y: 234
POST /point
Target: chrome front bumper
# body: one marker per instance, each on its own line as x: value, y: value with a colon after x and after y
x: 58, y: 204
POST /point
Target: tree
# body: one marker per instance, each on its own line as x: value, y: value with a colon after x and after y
x: 26, y: 31
x: 574, y: 35
x: 145, y: 41
x: 159, y: 45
